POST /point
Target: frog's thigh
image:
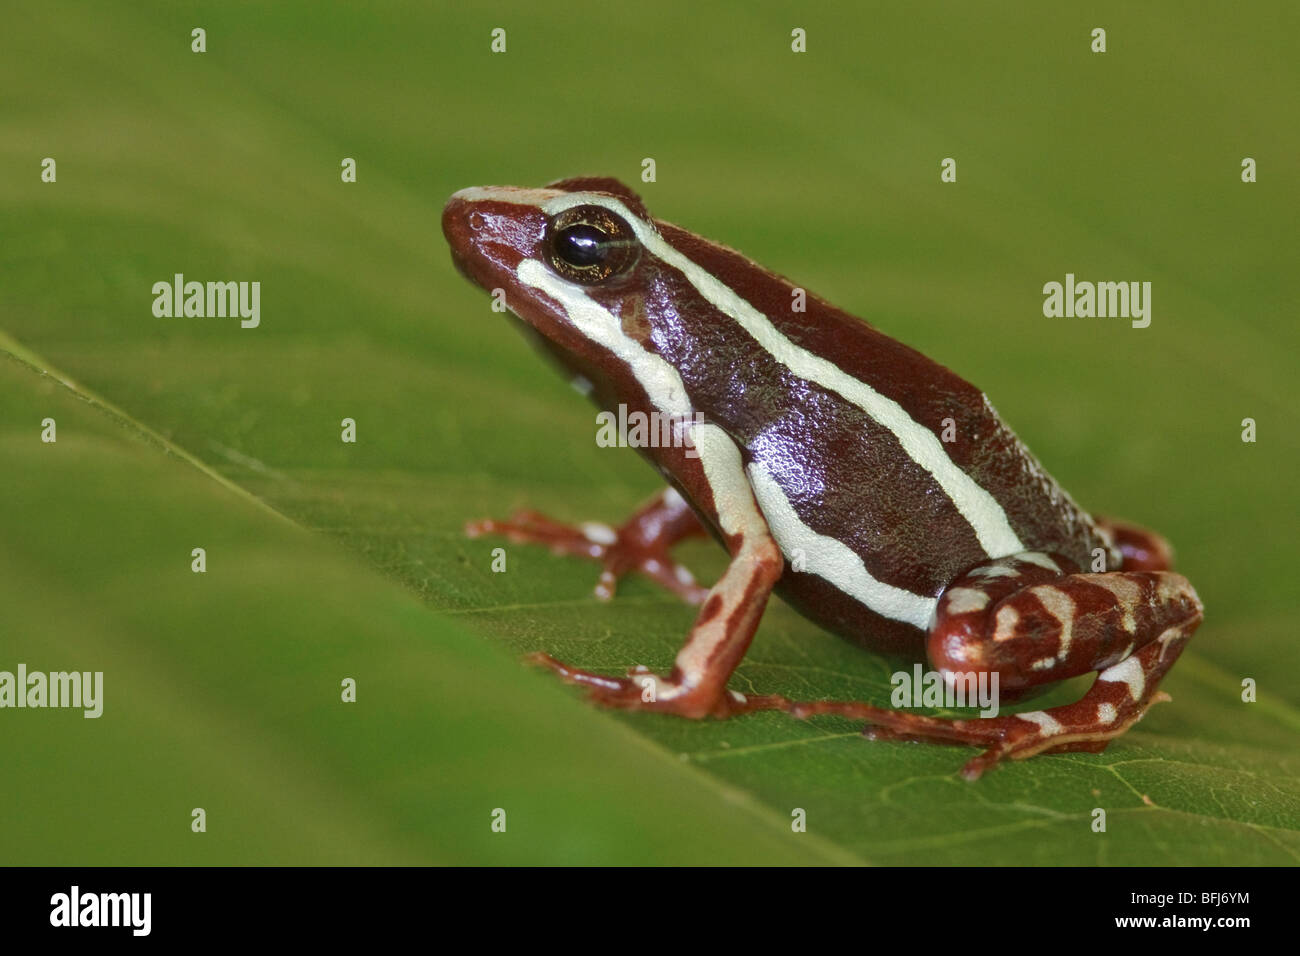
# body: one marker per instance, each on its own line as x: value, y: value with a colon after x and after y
x: 1031, y: 620
x: 1129, y: 626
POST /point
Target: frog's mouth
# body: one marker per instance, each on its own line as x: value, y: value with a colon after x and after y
x: 462, y: 266
x: 481, y: 268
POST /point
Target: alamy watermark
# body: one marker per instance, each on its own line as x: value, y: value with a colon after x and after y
x: 1085, y: 300
x: 952, y: 689
x: 82, y: 690
x: 637, y: 429
x: 75, y: 908
x: 179, y: 298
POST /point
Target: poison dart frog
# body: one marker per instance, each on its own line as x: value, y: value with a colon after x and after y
x: 872, y: 488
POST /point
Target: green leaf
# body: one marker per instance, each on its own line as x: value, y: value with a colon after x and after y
x: 223, y: 687
x: 222, y: 690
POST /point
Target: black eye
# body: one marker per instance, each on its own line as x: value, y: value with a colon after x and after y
x: 590, y: 244
x: 582, y: 246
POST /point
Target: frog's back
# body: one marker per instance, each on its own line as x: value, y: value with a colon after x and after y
x: 881, y: 470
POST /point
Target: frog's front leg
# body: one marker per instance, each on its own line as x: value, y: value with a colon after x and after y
x: 1034, y: 619
x: 642, y: 543
x: 697, y: 685
x: 725, y: 625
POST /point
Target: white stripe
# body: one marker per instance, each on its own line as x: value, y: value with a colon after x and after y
x: 980, y: 509
x: 1006, y: 623
x: 1060, y: 606
x: 1127, y: 595
x: 1045, y: 721
x: 995, y: 571
x: 662, y: 382
x: 1040, y: 559
x: 515, y: 195
x: 724, y: 470
x: 964, y: 600
x: 831, y: 559
x: 598, y: 533
x: 828, y: 558
x: 719, y: 456
x: 1127, y: 671
x: 734, y: 502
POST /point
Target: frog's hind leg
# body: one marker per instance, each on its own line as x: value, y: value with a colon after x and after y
x: 642, y: 543
x: 1033, y: 619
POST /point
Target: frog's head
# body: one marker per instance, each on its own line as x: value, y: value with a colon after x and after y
x: 570, y: 258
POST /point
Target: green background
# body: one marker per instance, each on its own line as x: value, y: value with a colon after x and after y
x: 329, y: 560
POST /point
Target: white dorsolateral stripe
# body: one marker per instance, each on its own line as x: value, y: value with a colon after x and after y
x: 833, y: 560
x: 826, y: 557
x: 980, y: 509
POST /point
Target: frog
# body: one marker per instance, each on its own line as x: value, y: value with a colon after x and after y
x: 873, y: 489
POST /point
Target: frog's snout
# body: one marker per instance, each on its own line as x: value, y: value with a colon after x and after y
x: 455, y: 220
x: 459, y: 226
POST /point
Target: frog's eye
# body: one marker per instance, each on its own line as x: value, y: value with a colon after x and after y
x: 590, y: 244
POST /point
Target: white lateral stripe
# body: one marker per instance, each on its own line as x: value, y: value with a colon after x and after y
x: 733, y: 497
x: 720, y: 458
x: 734, y: 502
x: 662, y: 382
x: 980, y: 509
x: 833, y: 560
x: 724, y: 470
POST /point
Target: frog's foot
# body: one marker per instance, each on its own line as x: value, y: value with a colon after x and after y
x: 642, y: 543
x: 1089, y: 725
x: 642, y: 689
